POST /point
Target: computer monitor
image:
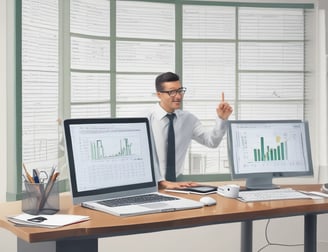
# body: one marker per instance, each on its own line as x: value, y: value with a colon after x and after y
x: 261, y: 150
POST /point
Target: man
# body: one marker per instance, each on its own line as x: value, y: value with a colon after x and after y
x: 186, y: 127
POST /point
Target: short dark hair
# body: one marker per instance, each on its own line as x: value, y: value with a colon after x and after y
x: 165, y: 77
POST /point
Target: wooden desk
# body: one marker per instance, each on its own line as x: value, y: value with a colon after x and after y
x: 83, y: 237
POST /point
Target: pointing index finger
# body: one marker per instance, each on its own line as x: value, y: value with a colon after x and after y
x: 222, y: 96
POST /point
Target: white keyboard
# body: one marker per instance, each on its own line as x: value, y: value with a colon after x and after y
x: 274, y: 194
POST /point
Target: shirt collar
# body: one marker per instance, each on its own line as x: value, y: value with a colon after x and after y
x: 160, y: 113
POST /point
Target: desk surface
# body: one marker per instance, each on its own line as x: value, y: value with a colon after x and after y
x: 104, y: 225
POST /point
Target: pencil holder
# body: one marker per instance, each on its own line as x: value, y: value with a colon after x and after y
x: 40, y: 198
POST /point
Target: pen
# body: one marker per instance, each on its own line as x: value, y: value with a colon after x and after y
x: 53, y: 169
x: 36, y: 176
x: 48, y: 188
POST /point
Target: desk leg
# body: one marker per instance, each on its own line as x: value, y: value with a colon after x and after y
x: 310, y: 233
x: 246, y: 236
x: 23, y: 246
x: 83, y: 245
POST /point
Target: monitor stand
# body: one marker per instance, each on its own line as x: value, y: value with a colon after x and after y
x: 260, y: 182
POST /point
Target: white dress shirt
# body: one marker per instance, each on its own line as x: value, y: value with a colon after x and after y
x: 186, y: 127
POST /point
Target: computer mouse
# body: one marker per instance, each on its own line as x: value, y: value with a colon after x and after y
x: 207, y: 201
x: 324, y: 188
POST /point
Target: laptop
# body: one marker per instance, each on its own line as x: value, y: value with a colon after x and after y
x: 111, y: 165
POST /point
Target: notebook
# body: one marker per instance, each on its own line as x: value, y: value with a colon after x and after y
x: 111, y: 161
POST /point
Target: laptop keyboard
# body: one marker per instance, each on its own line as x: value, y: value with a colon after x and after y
x: 136, y: 200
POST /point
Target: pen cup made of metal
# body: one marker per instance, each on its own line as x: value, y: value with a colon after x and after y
x: 38, y: 199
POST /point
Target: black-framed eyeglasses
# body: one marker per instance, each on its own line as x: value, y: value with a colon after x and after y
x: 174, y: 92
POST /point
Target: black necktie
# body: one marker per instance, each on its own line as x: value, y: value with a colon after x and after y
x: 170, y: 160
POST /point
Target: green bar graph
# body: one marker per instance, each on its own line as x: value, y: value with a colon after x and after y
x: 255, y: 155
x: 282, y: 151
x: 98, y: 152
x: 262, y: 149
x: 270, y: 153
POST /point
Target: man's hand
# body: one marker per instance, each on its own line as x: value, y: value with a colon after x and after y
x: 223, y: 110
x: 175, y: 185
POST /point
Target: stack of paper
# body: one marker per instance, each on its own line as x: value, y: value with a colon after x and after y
x: 47, y: 221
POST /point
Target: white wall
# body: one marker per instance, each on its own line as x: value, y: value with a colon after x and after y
x: 3, y: 154
x: 224, y: 237
x: 8, y: 240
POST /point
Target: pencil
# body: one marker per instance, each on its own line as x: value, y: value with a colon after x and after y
x: 29, y: 177
x: 47, y: 190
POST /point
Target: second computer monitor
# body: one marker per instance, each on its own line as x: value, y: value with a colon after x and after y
x: 261, y: 150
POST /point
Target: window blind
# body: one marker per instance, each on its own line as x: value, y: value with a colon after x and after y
x: 260, y: 56
x: 255, y: 55
x: 145, y: 47
x: 40, y: 131
x: 90, y: 58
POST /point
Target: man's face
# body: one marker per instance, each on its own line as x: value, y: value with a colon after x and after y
x: 167, y: 102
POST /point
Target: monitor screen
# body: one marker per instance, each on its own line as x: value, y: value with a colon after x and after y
x: 109, y: 157
x: 261, y: 150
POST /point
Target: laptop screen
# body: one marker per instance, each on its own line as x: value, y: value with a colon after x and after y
x: 109, y: 157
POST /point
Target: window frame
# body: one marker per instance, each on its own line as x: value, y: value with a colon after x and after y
x: 15, y: 175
